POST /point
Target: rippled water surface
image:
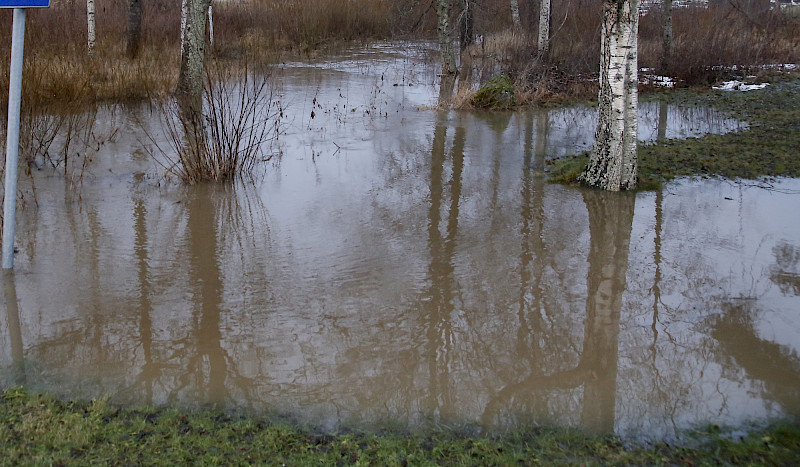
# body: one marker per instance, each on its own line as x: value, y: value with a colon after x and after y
x: 407, y: 265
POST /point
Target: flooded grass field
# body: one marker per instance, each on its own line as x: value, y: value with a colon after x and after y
x: 397, y: 264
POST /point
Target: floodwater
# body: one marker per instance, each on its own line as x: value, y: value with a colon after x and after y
x: 397, y: 264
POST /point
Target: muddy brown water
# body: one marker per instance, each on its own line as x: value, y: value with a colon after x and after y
x: 409, y: 266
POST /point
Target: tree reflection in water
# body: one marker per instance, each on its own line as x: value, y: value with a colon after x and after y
x: 443, y: 287
x: 610, y: 221
x: 776, y: 366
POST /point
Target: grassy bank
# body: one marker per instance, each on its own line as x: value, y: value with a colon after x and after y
x: 767, y: 148
x: 38, y: 429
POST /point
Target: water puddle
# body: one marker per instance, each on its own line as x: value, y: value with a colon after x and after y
x: 411, y: 266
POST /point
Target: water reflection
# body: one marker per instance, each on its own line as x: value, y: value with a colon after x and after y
x: 442, y: 291
x: 775, y: 366
x: 786, y: 271
x: 17, y: 375
x: 150, y: 370
x: 207, y: 360
x: 423, y: 273
x: 610, y: 219
x: 595, y: 371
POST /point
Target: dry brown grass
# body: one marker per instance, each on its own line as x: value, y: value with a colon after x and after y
x: 708, y: 41
x: 58, y: 67
x: 711, y: 43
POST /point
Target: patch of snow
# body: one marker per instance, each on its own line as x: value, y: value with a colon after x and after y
x: 739, y: 86
x: 780, y: 66
x: 655, y: 80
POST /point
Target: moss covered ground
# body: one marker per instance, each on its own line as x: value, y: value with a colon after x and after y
x: 769, y: 147
x: 38, y: 429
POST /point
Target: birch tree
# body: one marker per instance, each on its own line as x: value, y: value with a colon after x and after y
x: 666, y: 57
x: 91, y: 35
x: 445, y: 37
x: 189, y: 93
x: 193, y: 42
x: 210, y: 24
x: 133, y: 34
x: 515, y: 14
x: 466, y: 37
x: 466, y: 34
x: 543, y: 43
x: 612, y: 163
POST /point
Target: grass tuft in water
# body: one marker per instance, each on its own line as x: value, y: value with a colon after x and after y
x: 38, y: 429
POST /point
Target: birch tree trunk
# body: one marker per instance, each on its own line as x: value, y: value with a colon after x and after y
x: 466, y: 37
x: 612, y: 163
x: 91, y: 35
x: 134, y: 31
x: 193, y: 43
x: 189, y: 93
x: 666, y: 57
x: 210, y: 25
x: 445, y: 37
x: 515, y: 14
x: 544, y: 28
x: 465, y: 27
x: 184, y: 16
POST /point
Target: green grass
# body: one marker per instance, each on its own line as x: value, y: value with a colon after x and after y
x: 38, y: 429
x: 768, y: 148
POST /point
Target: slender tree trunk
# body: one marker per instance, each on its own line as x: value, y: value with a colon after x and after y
x: 613, y: 164
x: 193, y: 44
x: 184, y: 19
x: 210, y: 24
x: 189, y: 91
x: 545, y: 19
x: 466, y: 37
x: 134, y: 31
x: 666, y: 57
x: 466, y: 31
x: 515, y: 14
x: 445, y: 37
x: 661, y: 132
x: 446, y: 90
x: 90, y: 25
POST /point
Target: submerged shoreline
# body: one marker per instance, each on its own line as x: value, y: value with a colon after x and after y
x: 39, y: 429
x: 327, y: 292
x: 766, y: 148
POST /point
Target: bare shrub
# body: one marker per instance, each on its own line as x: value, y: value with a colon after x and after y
x: 239, y: 120
x: 59, y: 139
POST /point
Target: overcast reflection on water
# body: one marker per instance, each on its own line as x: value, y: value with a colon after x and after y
x: 410, y: 266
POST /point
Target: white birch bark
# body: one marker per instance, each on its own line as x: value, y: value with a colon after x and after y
x: 210, y: 25
x: 184, y: 16
x: 515, y: 14
x: 543, y: 42
x: 666, y: 57
x: 90, y: 25
x: 445, y: 37
x: 612, y: 164
x: 630, y: 117
x: 193, y: 44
